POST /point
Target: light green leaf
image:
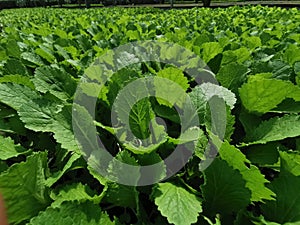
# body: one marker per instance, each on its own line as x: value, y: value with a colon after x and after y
x: 71, y: 213
x: 190, y: 135
x: 292, y: 54
x: 290, y: 162
x: 174, y: 80
x: 255, y: 181
x: 275, y: 129
x: 174, y: 75
x: 8, y: 149
x: 253, y: 42
x: 224, y: 185
x: 177, y: 204
x: 74, y: 192
x: 17, y: 79
x: 210, y: 50
x: 23, y: 188
x: 261, y: 95
x: 46, y: 53
x: 133, y: 35
x: 239, y: 55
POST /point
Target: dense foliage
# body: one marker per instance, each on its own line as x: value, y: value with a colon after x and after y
x: 255, y: 179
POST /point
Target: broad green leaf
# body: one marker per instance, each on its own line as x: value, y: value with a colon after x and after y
x: 71, y: 213
x: 13, y: 49
x: 108, y: 92
x: 199, y: 101
x: 140, y: 117
x: 120, y: 195
x: 297, y: 71
x: 134, y: 111
x: 45, y: 53
x: 115, y: 169
x: 190, y: 135
x: 297, y: 68
x: 281, y: 70
x: 158, y: 137
x: 239, y: 55
x: 275, y: 129
x: 249, y: 121
x: 55, y: 81
x: 175, y: 79
x: 224, y: 185
x: 167, y: 112
x: 262, y: 221
x: 253, y: 42
x: 230, y: 125
x: 210, y: 50
x: 46, y: 116
x: 211, y: 90
x: 31, y: 59
x: 261, y: 95
x: 74, y: 192
x: 292, y: 54
x: 287, y: 106
x: 216, y: 117
x: 23, y: 188
x: 15, y: 95
x: 61, y: 51
x: 174, y: 52
x: 133, y: 35
x: 61, y: 33
x: 17, y: 79
x: 286, y: 207
x: 14, y: 66
x: 290, y: 162
x: 8, y: 149
x: 266, y: 154
x: 200, y: 39
x: 255, y: 181
x: 177, y: 204
x: 232, y: 75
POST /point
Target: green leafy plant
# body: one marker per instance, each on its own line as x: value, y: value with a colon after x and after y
x: 255, y: 177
